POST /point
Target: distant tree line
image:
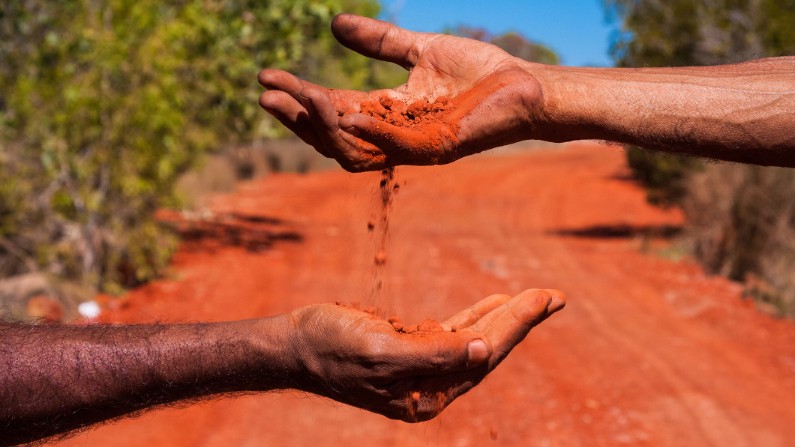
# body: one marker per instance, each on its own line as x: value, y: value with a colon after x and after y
x: 512, y: 42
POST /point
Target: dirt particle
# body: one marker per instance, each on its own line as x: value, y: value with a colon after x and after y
x: 380, y: 258
x: 429, y: 326
x: 397, y: 325
x: 372, y: 310
x: 379, y: 224
x: 44, y: 309
x: 401, y: 114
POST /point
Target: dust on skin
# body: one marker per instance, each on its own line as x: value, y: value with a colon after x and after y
x: 416, y: 397
x: 434, y: 130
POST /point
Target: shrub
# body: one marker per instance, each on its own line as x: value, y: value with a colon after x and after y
x: 664, y: 176
x: 104, y: 104
x: 741, y: 224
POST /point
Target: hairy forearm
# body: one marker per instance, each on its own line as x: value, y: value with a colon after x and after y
x: 743, y: 112
x: 57, y: 378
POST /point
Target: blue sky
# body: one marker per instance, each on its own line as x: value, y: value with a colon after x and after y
x: 576, y: 29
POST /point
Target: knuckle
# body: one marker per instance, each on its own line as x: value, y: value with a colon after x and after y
x: 441, y: 358
x: 375, y: 348
x: 312, y: 93
x: 421, y: 42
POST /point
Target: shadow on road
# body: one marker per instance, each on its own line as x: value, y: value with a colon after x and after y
x: 250, y: 232
x: 620, y: 231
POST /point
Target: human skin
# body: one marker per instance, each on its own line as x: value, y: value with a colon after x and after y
x: 743, y: 112
x: 55, y: 379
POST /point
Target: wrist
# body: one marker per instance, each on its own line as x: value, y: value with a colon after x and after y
x: 301, y: 344
x: 565, y: 94
x: 276, y: 362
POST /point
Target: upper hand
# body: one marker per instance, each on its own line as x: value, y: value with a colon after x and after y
x: 492, y: 99
x: 357, y: 358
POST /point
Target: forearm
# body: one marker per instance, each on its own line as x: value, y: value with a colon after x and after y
x: 57, y: 378
x: 743, y: 112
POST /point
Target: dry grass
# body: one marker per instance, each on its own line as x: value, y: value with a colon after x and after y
x: 741, y: 224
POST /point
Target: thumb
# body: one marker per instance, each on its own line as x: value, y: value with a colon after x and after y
x: 377, y: 39
x: 442, y: 353
x: 508, y: 325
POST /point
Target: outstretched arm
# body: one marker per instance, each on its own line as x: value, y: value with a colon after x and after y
x: 478, y: 97
x: 57, y: 378
x: 742, y: 112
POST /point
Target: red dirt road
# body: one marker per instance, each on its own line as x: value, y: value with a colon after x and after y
x: 647, y: 352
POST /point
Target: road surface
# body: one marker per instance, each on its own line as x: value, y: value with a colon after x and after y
x: 649, y: 350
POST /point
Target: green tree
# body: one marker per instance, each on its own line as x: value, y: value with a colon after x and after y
x: 104, y: 103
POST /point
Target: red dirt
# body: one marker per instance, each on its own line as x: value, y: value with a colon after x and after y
x: 417, y: 114
x: 424, y: 327
x: 647, y: 352
x: 388, y: 187
x: 430, y: 125
x: 44, y: 309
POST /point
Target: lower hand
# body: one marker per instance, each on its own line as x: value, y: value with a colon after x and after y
x: 359, y: 359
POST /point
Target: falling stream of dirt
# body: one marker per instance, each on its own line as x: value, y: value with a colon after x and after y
x: 418, y: 115
x: 378, y: 227
x: 415, y: 115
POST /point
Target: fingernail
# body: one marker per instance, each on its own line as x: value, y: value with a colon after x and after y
x: 555, y: 304
x: 352, y: 130
x: 478, y: 352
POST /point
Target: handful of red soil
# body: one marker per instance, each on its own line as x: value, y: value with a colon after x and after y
x: 399, y: 114
x: 431, y: 126
x: 424, y: 327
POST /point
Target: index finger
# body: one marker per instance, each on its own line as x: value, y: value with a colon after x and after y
x: 508, y: 325
x: 343, y: 100
x: 469, y: 316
